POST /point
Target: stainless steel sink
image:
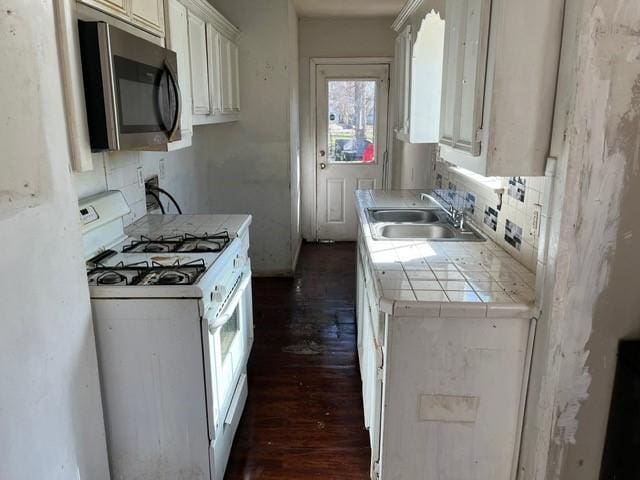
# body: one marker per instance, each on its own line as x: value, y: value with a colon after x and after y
x: 406, y: 215
x: 433, y: 224
x: 417, y: 231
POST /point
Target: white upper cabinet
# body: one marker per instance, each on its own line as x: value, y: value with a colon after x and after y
x: 418, y: 74
x: 498, y: 84
x: 229, y: 81
x: 145, y: 14
x: 199, y: 65
x: 213, y: 52
x: 403, y: 81
x: 178, y: 40
x: 148, y: 14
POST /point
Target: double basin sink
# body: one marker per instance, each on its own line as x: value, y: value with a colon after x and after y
x: 434, y: 224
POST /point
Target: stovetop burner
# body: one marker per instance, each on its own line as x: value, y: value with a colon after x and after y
x: 186, y: 243
x: 142, y: 273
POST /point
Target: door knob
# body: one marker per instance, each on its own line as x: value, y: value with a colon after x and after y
x: 323, y: 166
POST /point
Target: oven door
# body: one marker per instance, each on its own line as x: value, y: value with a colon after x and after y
x: 229, y: 334
x: 138, y: 83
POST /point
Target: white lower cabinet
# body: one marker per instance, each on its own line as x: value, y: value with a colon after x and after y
x: 443, y: 397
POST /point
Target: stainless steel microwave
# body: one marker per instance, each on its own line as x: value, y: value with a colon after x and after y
x: 131, y: 89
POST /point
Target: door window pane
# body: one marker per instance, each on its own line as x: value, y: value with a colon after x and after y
x: 352, y: 121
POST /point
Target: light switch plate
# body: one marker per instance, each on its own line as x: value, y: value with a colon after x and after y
x: 534, y: 228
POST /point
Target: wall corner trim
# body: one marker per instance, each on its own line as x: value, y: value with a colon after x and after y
x: 405, y: 13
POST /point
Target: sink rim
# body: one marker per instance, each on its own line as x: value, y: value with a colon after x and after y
x: 450, y: 231
x: 469, y: 234
x: 438, y: 213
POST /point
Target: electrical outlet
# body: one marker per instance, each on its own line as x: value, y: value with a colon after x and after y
x: 140, y: 178
x: 162, y: 170
x: 534, y: 228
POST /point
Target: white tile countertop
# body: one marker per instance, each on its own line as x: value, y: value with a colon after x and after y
x: 436, y: 278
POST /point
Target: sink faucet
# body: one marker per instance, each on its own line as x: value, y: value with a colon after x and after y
x: 457, y: 216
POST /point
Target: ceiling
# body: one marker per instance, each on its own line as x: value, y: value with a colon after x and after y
x: 348, y: 8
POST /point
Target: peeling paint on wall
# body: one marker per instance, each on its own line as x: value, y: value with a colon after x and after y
x: 597, y: 154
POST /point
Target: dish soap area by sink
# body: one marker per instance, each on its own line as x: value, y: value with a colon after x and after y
x: 311, y: 239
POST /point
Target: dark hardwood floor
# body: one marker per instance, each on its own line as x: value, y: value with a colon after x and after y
x: 304, y: 417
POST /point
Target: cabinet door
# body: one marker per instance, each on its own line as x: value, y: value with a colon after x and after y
x: 199, y: 65
x: 213, y: 55
x: 114, y: 7
x: 234, y: 71
x: 403, y: 79
x: 149, y: 14
x: 465, y: 63
x: 226, y: 93
x: 178, y: 41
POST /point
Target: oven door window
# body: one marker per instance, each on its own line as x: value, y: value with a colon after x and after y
x: 142, y: 91
x: 228, y: 333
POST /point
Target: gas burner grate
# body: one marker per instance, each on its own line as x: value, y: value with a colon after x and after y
x: 142, y: 274
x: 186, y: 243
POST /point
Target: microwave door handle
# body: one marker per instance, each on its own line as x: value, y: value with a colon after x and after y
x: 217, y: 322
x: 174, y: 80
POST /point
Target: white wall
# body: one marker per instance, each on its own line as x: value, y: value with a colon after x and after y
x: 250, y: 160
x: 331, y: 37
x: 51, y: 424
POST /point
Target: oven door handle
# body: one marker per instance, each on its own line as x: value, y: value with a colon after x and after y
x: 224, y: 316
x: 174, y: 80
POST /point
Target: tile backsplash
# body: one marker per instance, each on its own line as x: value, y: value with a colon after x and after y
x: 509, y: 210
x: 115, y: 171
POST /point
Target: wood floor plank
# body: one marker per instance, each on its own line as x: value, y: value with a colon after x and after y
x: 304, y: 416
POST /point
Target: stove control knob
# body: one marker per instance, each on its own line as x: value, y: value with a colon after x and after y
x: 238, y: 262
x: 218, y: 293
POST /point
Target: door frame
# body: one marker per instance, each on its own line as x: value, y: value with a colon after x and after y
x: 311, y: 183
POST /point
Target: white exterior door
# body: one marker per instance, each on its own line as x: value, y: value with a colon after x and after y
x: 351, y: 142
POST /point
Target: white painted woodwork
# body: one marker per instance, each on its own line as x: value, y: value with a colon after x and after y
x: 447, y: 393
x: 418, y: 73
x: 336, y: 183
x: 145, y: 14
x: 214, y: 65
x: 199, y: 65
x: 116, y: 7
x: 226, y: 94
x: 148, y: 14
x: 178, y: 40
x: 71, y: 73
x: 215, y: 68
x: 467, y: 31
x: 234, y: 71
x: 498, y: 86
x: 403, y: 80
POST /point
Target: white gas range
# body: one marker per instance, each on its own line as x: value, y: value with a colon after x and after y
x: 174, y: 327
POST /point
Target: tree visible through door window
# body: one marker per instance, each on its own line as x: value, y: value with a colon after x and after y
x: 352, y: 121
